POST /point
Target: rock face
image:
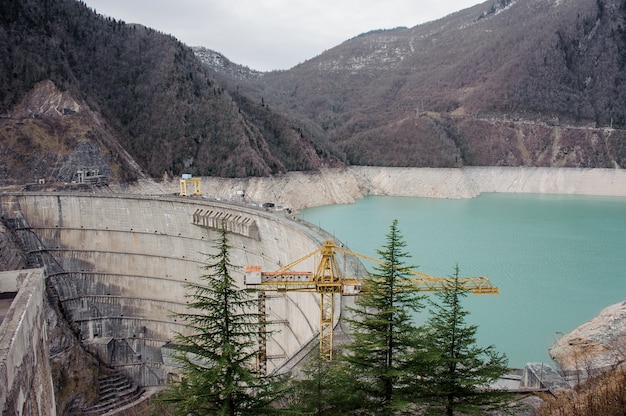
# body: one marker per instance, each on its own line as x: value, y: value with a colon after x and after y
x: 597, y: 344
x: 51, y: 134
x: 12, y: 257
x: 299, y: 190
x: 86, y: 154
x: 75, y: 372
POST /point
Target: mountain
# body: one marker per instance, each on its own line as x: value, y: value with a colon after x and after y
x: 506, y: 82
x: 145, y: 91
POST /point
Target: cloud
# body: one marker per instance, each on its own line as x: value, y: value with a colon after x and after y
x: 273, y: 34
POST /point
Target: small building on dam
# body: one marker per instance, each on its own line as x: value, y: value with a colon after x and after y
x: 118, y: 264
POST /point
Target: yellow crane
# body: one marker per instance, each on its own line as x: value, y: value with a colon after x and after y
x: 328, y: 281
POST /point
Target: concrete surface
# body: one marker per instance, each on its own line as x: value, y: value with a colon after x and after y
x: 25, y: 380
x: 121, y: 264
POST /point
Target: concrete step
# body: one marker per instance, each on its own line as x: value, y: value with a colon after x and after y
x: 115, y: 392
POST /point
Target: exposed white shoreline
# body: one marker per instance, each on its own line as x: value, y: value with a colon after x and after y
x: 301, y: 190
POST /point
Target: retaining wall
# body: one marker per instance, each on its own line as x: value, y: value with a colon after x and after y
x: 25, y: 379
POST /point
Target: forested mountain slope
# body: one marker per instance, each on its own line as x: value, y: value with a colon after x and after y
x: 506, y: 82
x: 149, y: 90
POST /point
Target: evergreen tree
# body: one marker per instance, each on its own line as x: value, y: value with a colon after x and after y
x: 218, y: 351
x: 384, y: 354
x: 460, y: 370
x: 326, y: 388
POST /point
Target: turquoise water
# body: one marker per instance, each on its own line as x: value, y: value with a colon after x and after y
x: 557, y: 259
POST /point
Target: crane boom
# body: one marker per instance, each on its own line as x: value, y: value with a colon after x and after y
x: 427, y: 283
x: 328, y: 281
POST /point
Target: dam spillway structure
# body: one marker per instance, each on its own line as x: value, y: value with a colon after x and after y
x: 119, y: 263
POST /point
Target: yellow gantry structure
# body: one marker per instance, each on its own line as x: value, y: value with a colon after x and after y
x: 188, y: 180
x: 328, y: 282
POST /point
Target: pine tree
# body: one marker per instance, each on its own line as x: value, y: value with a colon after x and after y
x: 460, y: 370
x: 218, y: 352
x: 326, y: 388
x: 384, y: 353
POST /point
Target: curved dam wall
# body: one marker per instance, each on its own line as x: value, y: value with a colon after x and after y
x: 121, y: 264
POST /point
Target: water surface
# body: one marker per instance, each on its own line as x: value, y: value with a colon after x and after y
x: 557, y: 259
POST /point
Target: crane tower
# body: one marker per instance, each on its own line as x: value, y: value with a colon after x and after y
x: 327, y: 280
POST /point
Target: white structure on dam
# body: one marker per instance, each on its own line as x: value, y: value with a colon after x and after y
x: 119, y: 265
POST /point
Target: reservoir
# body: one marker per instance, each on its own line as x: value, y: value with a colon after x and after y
x: 557, y: 259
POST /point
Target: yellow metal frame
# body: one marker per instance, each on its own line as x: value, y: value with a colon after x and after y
x: 328, y: 282
x: 192, y: 181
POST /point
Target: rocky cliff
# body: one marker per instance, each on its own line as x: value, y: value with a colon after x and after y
x: 299, y: 190
x: 597, y: 344
x: 51, y: 134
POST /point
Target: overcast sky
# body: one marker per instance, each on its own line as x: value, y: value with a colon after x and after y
x: 274, y: 34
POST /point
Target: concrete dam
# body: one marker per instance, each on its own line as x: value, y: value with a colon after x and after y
x: 119, y: 265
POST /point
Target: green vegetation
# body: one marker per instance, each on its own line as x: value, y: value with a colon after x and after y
x: 459, y: 370
x: 384, y: 355
x: 392, y: 366
x: 219, y: 352
x: 165, y: 108
x: 327, y: 388
x: 539, y: 86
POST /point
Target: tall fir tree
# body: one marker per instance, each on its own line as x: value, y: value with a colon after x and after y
x: 218, y: 351
x: 460, y: 370
x: 326, y: 388
x: 384, y: 354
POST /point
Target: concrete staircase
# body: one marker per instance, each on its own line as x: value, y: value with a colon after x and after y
x: 115, y: 392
